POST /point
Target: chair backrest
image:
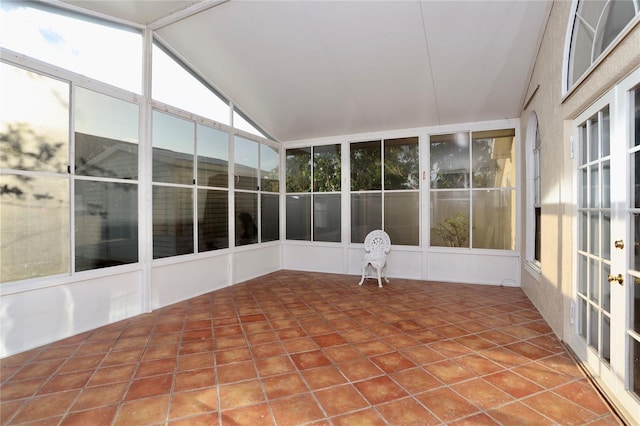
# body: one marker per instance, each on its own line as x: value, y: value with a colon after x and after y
x: 377, y: 242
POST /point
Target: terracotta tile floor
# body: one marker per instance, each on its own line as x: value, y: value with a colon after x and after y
x: 307, y: 348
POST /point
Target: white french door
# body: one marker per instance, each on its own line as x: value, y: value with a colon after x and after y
x: 607, y: 288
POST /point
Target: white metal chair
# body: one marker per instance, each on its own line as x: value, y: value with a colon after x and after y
x: 376, y: 246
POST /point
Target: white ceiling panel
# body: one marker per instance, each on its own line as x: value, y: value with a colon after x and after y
x: 308, y: 69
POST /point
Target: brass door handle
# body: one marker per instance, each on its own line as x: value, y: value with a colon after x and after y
x: 619, y: 244
x: 612, y: 278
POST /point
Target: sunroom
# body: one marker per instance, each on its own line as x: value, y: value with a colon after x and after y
x: 154, y: 152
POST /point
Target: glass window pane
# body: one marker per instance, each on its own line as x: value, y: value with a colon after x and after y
x: 593, y: 328
x: 83, y: 45
x: 450, y: 219
x: 493, y: 159
x: 402, y: 217
x: 401, y: 164
x: 366, y: 166
x: 213, y: 219
x: 270, y: 221
x: 449, y: 161
x: 106, y: 224
x: 34, y: 227
x: 618, y: 14
x: 606, y: 338
x: 582, y: 325
x: 269, y: 168
x: 173, y: 140
x: 106, y: 136
x: 494, y: 219
x: 327, y: 217
x: 246, y: 164
x: 246, y: 214
x: 174, y: 85
x: 299, y: 217
x: 239, y: 122
x: 34, y: 121
x: 366, y: 215
x: 213, y: 157
x: 635, y: 364
x: 326, y: 168
x: 584, y: 187
x: 635, y: 307
x: 299, y: 170
x: 606, y: 184
x: 594, y: 280
x: 172, y: 221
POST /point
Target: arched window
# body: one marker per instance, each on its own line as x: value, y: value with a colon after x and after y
x: 594, y: 27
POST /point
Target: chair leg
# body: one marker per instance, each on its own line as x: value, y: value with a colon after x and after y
x: 364, y: 269
x: 385, y: 273
x: 379, y: 282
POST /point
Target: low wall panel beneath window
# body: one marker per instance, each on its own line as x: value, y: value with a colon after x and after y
x: 476, y: 268
x: 34, y: 318
x: 175, y: 282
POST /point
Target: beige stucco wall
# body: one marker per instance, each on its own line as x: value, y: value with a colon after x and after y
x: 552, y: 290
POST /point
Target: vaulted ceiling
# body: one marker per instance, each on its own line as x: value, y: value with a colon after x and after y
x: 309, y: 69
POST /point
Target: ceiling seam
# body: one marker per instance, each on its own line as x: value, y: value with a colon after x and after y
x: 426, y: 45
x: 185, y: 13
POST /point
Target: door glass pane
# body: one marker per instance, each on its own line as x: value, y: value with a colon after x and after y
x: 593, y: 327
x: 635, y: 305
x: 606, y: 287
x: 635, y: 243
x: 594, y: 200
x: 606, y: 184
x: 584, y: 186
x: 606, y: 338
x: 606, y: 129
x: 582, y: 325
x: 594, y: 280
x: 583, y: 276
x: 106, y: 224
x: 494, y: 219
x: 449, y: 161
x: 583, y: 144
x: 606, y: 235
x: 246, y: 214
x: 172, y: 221
x: 366, y: 168
x: 299, y: 170
x: 246, y: 164
x: 106, y: 136
x: 401, y: 217
x: 298, y: 217
x: 635, y: 365
x: 326, y: 168
x: 269, y: 168
x: 34, y: 121
x: 401, y: 163
x: 366, y: 215
x: 34, y: 227
x: 173, y: 143
x: 270, y: 217
x: 213, y: 157
x: 635, y: 170
x: 327, y: 217
x: 583, y: 238
x: 594, y: 138
x: 450, y: 219
x: 594, y: 233
x: 213, y: 219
